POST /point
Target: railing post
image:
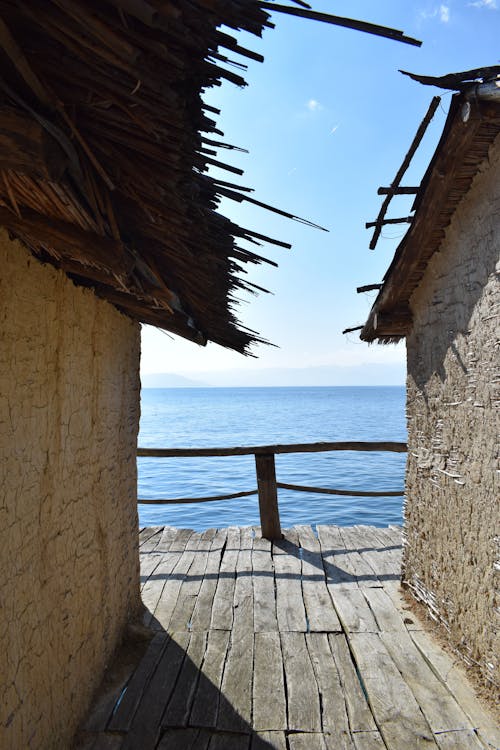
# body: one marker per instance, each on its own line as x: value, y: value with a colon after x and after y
x: 268, y: 496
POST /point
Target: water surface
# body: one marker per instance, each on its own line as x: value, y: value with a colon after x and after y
x: 219, y: 417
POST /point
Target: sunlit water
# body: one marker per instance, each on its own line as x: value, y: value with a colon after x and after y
x: 219, y: 417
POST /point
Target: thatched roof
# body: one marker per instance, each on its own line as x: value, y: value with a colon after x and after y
x: 105, y: 143
x: 472, y: 124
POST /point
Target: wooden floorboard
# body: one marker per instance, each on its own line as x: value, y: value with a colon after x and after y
x: 306, y: 643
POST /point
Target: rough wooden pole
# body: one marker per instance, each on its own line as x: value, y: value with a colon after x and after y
x: 268, y: 496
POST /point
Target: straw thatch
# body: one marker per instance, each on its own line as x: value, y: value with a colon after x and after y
x: 102, y: 153
x: 105, y: 143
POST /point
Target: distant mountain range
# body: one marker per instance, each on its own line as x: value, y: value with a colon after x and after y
x: 327, y: 375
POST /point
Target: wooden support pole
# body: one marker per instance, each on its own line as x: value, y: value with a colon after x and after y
x: 398, y: 190
x: 368, y: 288
x: 402, y: 169
x: 383, y: 222
x: 268, y: 496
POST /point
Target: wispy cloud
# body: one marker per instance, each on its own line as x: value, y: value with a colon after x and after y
x: 334, y: 129
x: 489, y: 4
x: 444, y: 13
x: 441, y: 11
x: 314, y: 106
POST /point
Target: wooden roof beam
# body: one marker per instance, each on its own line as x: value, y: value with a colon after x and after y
x: 27, y: 147
x: 67, y: 240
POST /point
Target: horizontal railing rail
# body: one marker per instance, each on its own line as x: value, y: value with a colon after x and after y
x: 267, y: 485
x: 249, y: 450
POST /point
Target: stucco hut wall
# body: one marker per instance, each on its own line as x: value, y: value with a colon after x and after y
x: 69, y: 578
x: 452, y: 518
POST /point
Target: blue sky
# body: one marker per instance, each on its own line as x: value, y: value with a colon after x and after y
x: 327, y: 119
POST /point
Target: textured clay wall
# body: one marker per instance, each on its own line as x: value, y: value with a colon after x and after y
x: 69, y: 409
x: 452, y: 508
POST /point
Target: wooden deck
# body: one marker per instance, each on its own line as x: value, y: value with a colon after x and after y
x: 303, y: 644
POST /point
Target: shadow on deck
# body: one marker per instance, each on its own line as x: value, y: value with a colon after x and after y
x: 302, y: 644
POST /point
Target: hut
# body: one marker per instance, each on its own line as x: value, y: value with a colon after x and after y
x: 441, y: 294
x: 108, y: 220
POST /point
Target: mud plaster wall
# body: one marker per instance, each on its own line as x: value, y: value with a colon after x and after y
x: 452, y: 507
x: 69, y: 580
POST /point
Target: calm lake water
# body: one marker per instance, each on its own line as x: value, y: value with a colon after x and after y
x: 219, y: 417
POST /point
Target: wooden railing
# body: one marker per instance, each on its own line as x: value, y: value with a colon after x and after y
x: 267, y: 486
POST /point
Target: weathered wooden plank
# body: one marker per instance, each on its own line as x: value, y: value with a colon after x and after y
x: 341, y: 740
x: 358, y: 710
x: 98, y: 741
x: 464, y: 739
x: 307, y: 741
x: 436, y: 702
x: 235, y: 706
x: 395, y: 530
x: 368, y: 741
x: 179, y: 706
x: 202, y: 613
x: 153, y: 587
x: 229, y: 741
x: 117, y: 679
x: 269, y: 699
x: 171, y: 537
x: 149, y: 563
x: 264, y: 596
x: 207, y: 697
x: 184, y: 739
x: 358, y: 558
x: 453, y: 674
x: 398, y: 716
x: 336, y: 564
x: 410, y: 620
x: 243, y: 588
x: 304, y: 711
x: 390, y: 536
x: 123, y: 715
x: 388, y: 618
x: 385, y: 562
x: 287, y: 572
x: 353, y: 610
x: 190, y: 586
x: 147, y: 532
x: 222, y: 609
x: 321, y: 614
x: 150, y: 539
x: 268, y: 741
x: 174, y: 582
x: 180, y: 540
x: 149, y: 544
x: 333, y: 706
x: 145, y: 728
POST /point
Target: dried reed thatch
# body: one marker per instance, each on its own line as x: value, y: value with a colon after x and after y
x: 105, y: 143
